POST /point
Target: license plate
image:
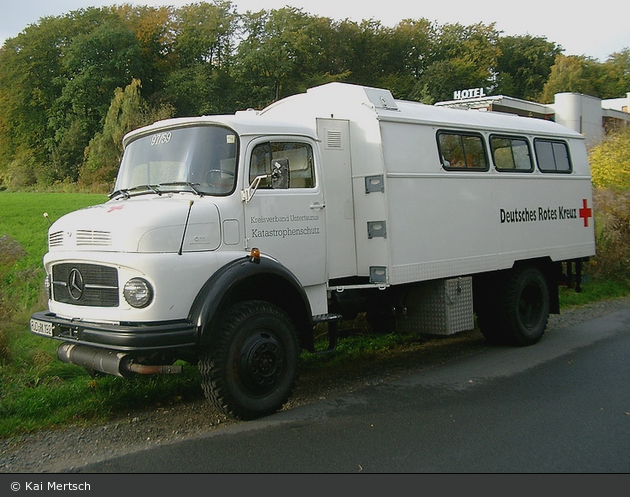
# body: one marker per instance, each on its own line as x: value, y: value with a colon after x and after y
x: 41, y: 327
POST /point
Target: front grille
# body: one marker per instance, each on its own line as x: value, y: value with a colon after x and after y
x: 85, y: 284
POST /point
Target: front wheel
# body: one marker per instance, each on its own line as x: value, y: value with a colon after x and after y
x: 250, y: 368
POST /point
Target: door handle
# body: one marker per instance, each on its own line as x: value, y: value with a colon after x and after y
x: 317, y: 206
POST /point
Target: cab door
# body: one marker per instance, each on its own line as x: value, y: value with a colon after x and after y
x: 285, y: 216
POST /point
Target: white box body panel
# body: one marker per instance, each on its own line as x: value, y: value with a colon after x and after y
x: 442, y: 223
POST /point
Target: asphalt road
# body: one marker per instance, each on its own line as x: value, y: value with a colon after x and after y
x: 561, y: 406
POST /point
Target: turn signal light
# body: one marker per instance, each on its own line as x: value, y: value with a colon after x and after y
x: 254, y: 256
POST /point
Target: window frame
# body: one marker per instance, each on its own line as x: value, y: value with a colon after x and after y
x: 189, y: 162
x: 268, y: 143
x: 553, y: 141
x: 512, y: 138
x: 462, y: 135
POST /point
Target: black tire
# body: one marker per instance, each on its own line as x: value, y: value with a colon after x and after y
x: 524, y: 306
x: 514, y: 307
x: 486, y: 292
x: 381, y: 312
x: 490, y: 328
x: 250, y: 368
x: 381, y: 321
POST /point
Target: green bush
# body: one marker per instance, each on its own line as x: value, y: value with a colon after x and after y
x: 610, y: 171
x: 612, y: 235
x: 610, y: 161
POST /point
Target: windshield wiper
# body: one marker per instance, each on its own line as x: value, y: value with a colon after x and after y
x: 190, y: 185
x: 136, y: 190
x: 124, y: 192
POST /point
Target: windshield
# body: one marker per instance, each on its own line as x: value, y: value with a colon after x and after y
x: 199, y: 159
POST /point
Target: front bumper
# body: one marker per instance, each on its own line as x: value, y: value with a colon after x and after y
x: 130, y: 337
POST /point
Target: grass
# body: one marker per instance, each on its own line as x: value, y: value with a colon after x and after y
x: 36, y: 390
x: 593, y: 291
x: 39, y: 391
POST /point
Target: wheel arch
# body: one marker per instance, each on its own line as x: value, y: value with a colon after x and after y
x: 486, y: 283
x: 242, y: 280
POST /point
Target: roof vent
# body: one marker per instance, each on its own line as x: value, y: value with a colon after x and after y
x: 381, y: 99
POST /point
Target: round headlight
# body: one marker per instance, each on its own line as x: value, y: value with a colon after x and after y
x: 138, y: 293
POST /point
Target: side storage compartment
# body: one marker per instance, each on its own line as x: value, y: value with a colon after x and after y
x: 441, y: 307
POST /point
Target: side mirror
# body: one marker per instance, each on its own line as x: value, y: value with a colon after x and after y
x: 279, y: 179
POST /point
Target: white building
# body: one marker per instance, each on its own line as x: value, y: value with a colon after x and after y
x: 591, y: 116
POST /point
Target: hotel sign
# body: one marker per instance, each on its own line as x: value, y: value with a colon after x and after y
x: 470, y: 93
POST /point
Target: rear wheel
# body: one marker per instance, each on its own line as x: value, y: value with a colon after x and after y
x: 381, y: 321
x: 526, y: 305
x: 250, y: 368
x: 515, y: 306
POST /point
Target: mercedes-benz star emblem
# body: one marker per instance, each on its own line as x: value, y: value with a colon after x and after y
x: 75, y: 284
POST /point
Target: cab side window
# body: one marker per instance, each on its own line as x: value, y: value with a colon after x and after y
x: 462, y: 151
x: 300, y: 159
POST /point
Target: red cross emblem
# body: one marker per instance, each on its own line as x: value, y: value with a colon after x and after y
x: 585, y: 212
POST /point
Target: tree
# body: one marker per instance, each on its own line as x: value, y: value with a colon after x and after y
x: 616, y: 74
x: 203, y: 46
x: 576, y: 74
x: 461, y: 57
x: 524, y: 65
x: 95, y: 64
x: 366, y: 53
x: 205, y: 33
x: 155, y: 29
x: 127, y: 111
x: 410, y: 53
x: 281, y: 50
x: 59, y: 78
x: 28, y: 65
x: 610, y: 171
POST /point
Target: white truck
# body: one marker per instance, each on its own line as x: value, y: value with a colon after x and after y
x: 228, y: 238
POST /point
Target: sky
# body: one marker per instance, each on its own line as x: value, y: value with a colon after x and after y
x: 594, y: 29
